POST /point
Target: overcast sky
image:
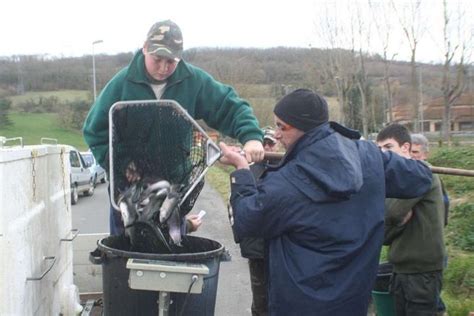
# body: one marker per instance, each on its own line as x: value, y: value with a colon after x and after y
x: 68, y: 28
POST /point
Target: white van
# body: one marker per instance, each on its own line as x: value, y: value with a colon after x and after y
x: 82, y: 180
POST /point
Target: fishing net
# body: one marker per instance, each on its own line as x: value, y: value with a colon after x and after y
x: 157, y: 140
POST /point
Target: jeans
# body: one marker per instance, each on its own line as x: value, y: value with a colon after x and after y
x: 115, y: 220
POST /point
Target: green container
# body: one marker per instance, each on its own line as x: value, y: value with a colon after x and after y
x: 384, y: 303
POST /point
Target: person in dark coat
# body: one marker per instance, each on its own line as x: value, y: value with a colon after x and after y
x: 253, y: 248
x: 320, y: 210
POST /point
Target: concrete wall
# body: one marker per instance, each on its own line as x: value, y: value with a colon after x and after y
x: 35, y: 215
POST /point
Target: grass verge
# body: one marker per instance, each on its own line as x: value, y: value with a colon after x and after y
x: 33, y: 126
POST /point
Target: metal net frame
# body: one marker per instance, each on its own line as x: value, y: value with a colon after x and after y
x: 158, y: 140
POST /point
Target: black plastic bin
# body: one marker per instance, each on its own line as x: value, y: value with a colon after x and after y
x: 119, y: 299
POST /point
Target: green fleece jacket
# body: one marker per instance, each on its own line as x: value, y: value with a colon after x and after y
x: 194, y: 89
x: 417, y: 246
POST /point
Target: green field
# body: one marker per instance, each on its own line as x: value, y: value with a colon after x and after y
x: 33, y: 126
x: 62, y: 95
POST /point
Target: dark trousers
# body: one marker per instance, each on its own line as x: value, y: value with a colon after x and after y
x: 417, y: 294
x: 115, y: 222
x: 259, y: 287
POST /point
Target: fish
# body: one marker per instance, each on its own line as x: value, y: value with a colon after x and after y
x: 170, y: 215
x: 150, y: 212
x: 152, y: 205
x: 128, y: 203
x: 170, y: 204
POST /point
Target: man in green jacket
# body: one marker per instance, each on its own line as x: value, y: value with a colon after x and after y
x: 414, y: 231
x: 158, y: 72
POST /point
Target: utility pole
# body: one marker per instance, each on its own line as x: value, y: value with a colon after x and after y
x: 93, y: 67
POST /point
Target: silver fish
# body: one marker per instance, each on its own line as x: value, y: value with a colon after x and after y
x: 128, y: 205
x: 174, y: 228
x: 163, y: 184
x: 153, y: 205
x: 170, y: 204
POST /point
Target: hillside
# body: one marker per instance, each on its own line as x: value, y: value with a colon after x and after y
x: 260, y: 75
x: 277, y: 67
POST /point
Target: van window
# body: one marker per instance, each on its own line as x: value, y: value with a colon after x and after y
x: 83, y: 162
x: 89, y: 159
x: 74, y: 159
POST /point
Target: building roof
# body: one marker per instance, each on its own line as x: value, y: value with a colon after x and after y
x: 462, y: 109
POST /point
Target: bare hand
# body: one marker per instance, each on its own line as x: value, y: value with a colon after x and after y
x: 254, y: 151
x: 232, y: 155
x: 194, y: 222
x: 131, y: 173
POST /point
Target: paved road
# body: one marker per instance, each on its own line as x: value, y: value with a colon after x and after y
x: 90, y: 215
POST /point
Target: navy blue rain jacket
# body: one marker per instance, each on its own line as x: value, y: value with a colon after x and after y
x: 321, y: 213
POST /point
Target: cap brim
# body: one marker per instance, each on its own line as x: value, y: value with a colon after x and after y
x: 273, y: 140
x: 162, y: 51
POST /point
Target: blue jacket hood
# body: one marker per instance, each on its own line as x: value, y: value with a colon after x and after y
x: 324, y: 165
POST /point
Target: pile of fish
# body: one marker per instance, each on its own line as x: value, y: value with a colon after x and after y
x: 150, y: 213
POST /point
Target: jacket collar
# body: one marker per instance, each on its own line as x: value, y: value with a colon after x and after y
x: 309, y: 137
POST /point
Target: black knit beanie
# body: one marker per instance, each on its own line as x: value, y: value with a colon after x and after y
x: 302, y: 109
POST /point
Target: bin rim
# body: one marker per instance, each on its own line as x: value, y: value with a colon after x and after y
x: 157, y: 256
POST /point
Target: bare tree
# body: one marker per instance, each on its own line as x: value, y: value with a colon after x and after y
x: 339, y: 65
x: 409, y: 15
x: 363, y: 38
x: 383, y: 25
x: 452, y: 89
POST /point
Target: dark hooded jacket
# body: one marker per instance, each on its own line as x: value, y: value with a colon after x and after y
x: 321, y: 214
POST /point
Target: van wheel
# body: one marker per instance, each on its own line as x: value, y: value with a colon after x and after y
x: 91, y: 188
x: 74, y: 194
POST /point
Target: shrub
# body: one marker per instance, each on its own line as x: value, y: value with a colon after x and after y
x: 73, y: 114
x: 458, y: 157
x: 39, y: 105
x: 5, y: 106
x: 458, y: 287
x: 461, y: 227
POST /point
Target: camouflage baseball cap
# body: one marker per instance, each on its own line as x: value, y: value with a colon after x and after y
x: 165, y: 39
x: 269, y: 135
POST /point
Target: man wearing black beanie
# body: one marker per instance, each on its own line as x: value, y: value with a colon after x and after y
x: 320, y: 210
x: 302, y: 109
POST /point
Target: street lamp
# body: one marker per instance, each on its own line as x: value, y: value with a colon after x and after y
x: 93, y: 66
